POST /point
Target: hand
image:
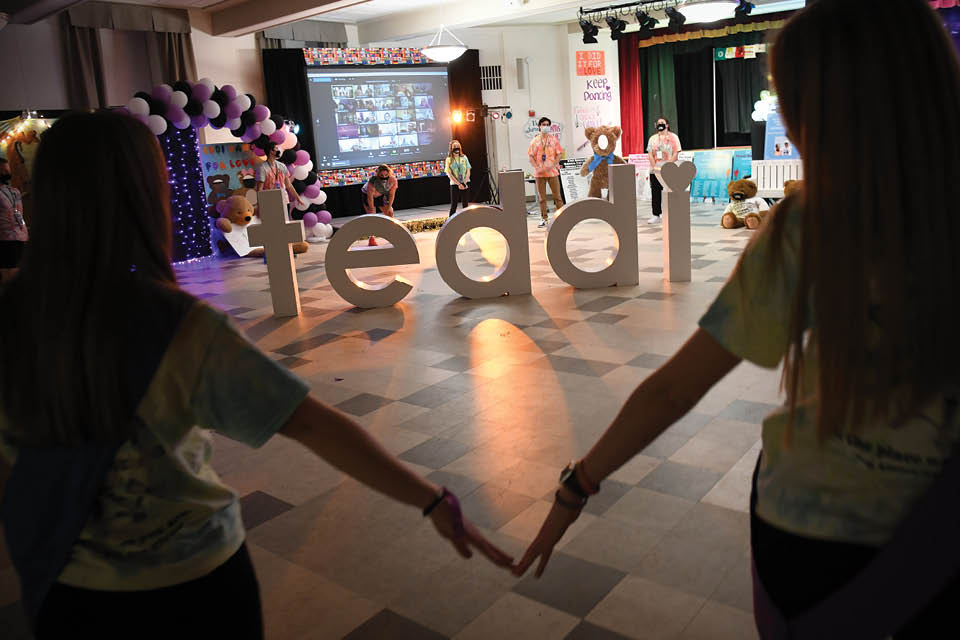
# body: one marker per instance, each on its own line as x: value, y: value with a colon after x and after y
x: 463, y: 187
x: 463, y: 535
x: 553, y: 528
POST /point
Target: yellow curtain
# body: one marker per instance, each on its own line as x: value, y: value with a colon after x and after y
x: 712, y: 33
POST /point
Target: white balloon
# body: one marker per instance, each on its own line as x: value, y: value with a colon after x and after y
x: 757, y: 117
x: 157, y: 124
x: 309, y: 165
x: 290, y: 141
x: 243, y: 101
x: 211, y: 109
x: 206, y: 81
x: 267, y: 127
x: 320, y: 199
x: 300, y: 172
x: 301, y: 207
x: 183, y: 123
x: 138, y: 106
x: 179, y: 99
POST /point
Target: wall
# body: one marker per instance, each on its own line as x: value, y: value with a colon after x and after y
x: 228, y: 60
x: 33, y: 67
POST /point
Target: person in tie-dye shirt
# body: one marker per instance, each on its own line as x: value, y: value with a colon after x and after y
x: 545, y: 154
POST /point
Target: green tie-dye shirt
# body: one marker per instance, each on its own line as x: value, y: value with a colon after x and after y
x: 163, y: 516
x: 854, y: 487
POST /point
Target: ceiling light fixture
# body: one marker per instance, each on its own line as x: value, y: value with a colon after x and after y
x: 590, y: 31
x: 676, y: 18
x: 743, y: 10
x: 616, y: 27
x: 438, y: 51
x: 710, y: 11
x: 646, y: 23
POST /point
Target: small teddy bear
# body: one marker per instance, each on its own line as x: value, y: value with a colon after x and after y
x: 604, y: 141
x: 745, y: 209
x: 248, y: 184
x: 219, y: 190
x: 236, y: 214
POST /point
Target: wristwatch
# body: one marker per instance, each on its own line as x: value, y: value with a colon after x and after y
x: 568, y: 478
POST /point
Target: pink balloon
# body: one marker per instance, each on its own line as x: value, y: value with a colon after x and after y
x: 201, y: 92
x: 261, y: 113
x: 257, y: 151
x: 278, y: 136
x: 232, y: 110
x: 302, y: 158
x: 324, y: 217
x: 309, y: 219
x: 311, y: 192
x: 290, y: 142
x: 230, y: 91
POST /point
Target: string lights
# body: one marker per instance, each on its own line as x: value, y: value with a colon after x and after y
x: 191, y: 225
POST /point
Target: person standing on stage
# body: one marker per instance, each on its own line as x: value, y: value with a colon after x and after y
x: 273, y: 174
x: 545, y: 153
x: 458, y: 170
x: 13, y: 229
x: 664, y: 147
x: 379, y: 192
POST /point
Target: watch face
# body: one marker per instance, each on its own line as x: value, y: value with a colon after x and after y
x: 566, y: 473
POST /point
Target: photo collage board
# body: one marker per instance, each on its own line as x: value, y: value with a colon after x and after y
x: 377, y: 116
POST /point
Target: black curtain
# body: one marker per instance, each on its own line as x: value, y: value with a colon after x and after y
x: 694, y: 81
x: 739, y: 83
x: 285, y: 79
x: 417, y: 192
x: 465, y: 94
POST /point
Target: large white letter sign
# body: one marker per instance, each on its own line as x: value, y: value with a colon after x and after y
x: 274, y: 234
x: 621, y: 214
x: 513, y: 276
x: 676, y: 179
x: 340, y: 258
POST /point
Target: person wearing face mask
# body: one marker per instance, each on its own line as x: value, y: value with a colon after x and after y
x: 379, y: 192
x: 545, y: 153
x: 273, y: 174
x: 664, y: 147
x: 458, y: 170
x: 13, y: 229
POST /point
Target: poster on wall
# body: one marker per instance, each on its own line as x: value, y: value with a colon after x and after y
x: 714, y: 168
x: 777, y: 145
x: 742, y: 164
x: 594, y: 89
x: 575, y: 186
x: 228, y: 169
x: 590, y: 63
x: 531, y: 129
x: 641, y: 164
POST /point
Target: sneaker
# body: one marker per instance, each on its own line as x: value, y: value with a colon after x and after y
x: 654, y: 220
x: 542, y: 224
x: 373, y: 242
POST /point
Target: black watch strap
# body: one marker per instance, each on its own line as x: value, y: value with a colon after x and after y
x: 569, y: 479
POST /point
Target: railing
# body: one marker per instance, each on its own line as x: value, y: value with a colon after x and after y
x: 771, y: 174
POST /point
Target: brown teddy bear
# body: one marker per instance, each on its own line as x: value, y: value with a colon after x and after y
x: 236, y: 213
x: 791, y: 187
x: 248, y: 184
x: 219, y: 190
x: 602, y: 156
x: 745, y: 208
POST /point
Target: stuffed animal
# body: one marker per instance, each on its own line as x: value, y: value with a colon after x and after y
x: 248, y: 184
x: 236, y: 214
x: 602, y: 156
x: 792, y: 187
x: 219, y: 190
x: 745, y: 208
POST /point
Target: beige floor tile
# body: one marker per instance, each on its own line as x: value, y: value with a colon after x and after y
x: 526, y: 525
x: 720, y: 622
x: 518, y: 617
x: 635, y: 470
x: 708, y: 454
x: 642, y: 609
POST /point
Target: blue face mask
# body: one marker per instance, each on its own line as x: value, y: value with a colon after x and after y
x: 545, y: 128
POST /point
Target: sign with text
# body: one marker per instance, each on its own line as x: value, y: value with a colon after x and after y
x: 591, y: 63
x: 225, y: 168
x: 575, y: 186
x: 777, y: 145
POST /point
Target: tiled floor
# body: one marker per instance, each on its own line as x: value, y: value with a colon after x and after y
x: 492, y: 398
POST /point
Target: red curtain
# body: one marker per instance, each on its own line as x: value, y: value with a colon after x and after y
x: 631, y: 107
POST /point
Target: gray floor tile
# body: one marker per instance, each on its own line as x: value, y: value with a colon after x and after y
x: 655, y: 295
x: 681, y: 480
x: 394, y: 626
x: 747, y: 411
x: 460, y: 486
x: 436, y: 452
x: 259, y: 507
x: 579, y: 366
x: 570, y: 584
x: 700, y: 264
x: 588, y: 631
x: 492, y: 507
x: 362, y: 404
x: 298, y: 347
x: 607, y: 318
x: 432, y: 397
x: 292, y: 362
x: 665, y: 445
x: 648, y: 361
x: 689, y: 425
x: 555, y: 323
x: 601, y: 304
x: 610, y: 492
x: 456, y: 363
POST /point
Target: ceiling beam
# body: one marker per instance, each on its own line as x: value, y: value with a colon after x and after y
x: 237, y: 19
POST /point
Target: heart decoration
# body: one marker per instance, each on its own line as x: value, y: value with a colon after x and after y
x: 678, y: 176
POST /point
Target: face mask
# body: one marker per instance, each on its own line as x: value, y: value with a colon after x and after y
x: 5, y: 179
x: 545, y: 128
x: 661, y: 127
x: 456, y: 149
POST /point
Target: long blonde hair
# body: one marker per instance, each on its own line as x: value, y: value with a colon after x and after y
x: 879, y: 269
x: 450, y: 148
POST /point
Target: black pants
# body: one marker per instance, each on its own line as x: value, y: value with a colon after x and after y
x: 222, y: 604
x: 656, y: 190
x: 459, y: 195
x: 10, y: 253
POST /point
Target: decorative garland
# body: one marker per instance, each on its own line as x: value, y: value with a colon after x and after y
x: 425, y: 224
x: 201, y: 104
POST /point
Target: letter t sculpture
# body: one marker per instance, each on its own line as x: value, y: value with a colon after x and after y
x: 275, y: 234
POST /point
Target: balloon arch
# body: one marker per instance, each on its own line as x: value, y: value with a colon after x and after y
x: 175, y: 112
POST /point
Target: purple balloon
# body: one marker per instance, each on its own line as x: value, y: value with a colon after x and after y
x: 122, y: 110
x: 311, y: 192
x: 201, y: 92
x: 278, y: 136
x: 324, y: 217
x: 162, y: 92
x: 261, y: 113
x: 290, y: 168
x: 302, y: 158
x: 309, y: 219
x: 199, y: 121
x: 175, y: 113
x: 232, y: 110
x: 230, y: 91
x: 254, y: 132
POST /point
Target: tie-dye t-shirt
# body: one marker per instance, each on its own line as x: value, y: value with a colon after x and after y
x: 163, y: 516
x: 853, y: 487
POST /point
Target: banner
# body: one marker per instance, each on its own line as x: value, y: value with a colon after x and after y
x: 225, y: 166
x: 641, y: 163
x: 575, y: 186
x: 19, y: 140
x: 733, y: 53
x: 777, y: 145
x: 321, y: 57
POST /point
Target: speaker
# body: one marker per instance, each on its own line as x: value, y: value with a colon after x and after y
x: 522, y: 78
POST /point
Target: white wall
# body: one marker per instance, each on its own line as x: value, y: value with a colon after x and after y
x: 33, y: 67
x: 228, y: 60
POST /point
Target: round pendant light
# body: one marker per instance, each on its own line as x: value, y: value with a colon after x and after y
x: 440, y: 51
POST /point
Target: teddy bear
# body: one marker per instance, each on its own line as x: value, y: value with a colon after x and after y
x: 745, y: 208
x: 602, y: 156
x: 236, y: 214
x: 792, y: 187
x: 219, y: 190
x: 248, y: 184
